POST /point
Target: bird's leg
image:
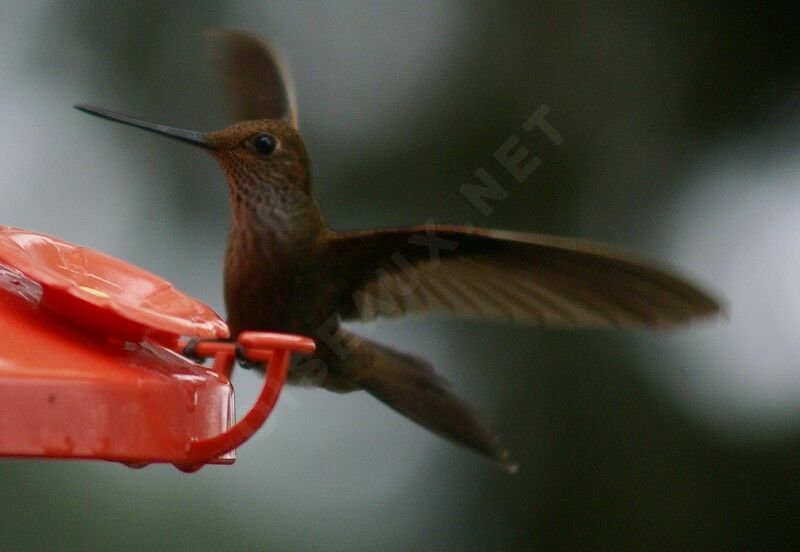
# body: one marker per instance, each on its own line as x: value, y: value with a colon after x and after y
x: 246, y: 363
x: 190, y: 351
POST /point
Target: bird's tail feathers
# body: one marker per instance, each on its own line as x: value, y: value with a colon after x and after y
x: 411, y: 387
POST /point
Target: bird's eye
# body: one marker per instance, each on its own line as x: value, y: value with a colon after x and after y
x: 264, y: 144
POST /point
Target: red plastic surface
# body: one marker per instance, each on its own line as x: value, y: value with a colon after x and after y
x: 116, y: 392
x: 103, y: 294
x: 68, y: 395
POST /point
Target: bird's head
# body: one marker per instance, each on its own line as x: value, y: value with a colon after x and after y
x: 265, y: 161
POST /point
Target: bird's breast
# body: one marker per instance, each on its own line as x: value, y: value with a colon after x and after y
x: 272, y: 293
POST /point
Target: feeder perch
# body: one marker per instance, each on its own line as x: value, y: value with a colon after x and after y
x: 90, y: 363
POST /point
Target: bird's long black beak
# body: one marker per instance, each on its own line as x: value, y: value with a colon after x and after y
x: 189, y: 136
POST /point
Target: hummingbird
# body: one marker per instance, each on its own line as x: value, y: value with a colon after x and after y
x: 286, y: 270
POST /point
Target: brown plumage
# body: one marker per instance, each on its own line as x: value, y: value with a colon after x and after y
x: 285, y: 270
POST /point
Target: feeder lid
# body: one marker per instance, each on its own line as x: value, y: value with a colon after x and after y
x: 103, y: 294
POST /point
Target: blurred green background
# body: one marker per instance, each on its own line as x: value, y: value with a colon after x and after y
x: 681, y: 127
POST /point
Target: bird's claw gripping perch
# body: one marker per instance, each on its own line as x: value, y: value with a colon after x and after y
x: 191, y: 351
x: 244, y: 362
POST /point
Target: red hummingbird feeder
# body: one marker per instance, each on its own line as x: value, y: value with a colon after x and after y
x: 91, y: 364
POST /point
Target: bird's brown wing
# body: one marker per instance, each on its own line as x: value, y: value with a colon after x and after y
x: 258, y: 80
x: 533, y: 278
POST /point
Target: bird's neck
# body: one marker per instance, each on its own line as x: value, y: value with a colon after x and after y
x: 275, y: 222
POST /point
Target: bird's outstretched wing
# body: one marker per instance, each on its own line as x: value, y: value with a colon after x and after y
x: 533, y: 278
x: 258, y: 80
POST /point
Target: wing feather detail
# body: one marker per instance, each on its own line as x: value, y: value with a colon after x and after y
x: 532, y: 278
x: 257, y: 78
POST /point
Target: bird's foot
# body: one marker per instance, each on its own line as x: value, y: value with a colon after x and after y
x: 191, y: 347
x: 246, y: 363
x: 190, y: 350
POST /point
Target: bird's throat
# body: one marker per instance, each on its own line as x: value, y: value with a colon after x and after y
x: 276, y: 224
